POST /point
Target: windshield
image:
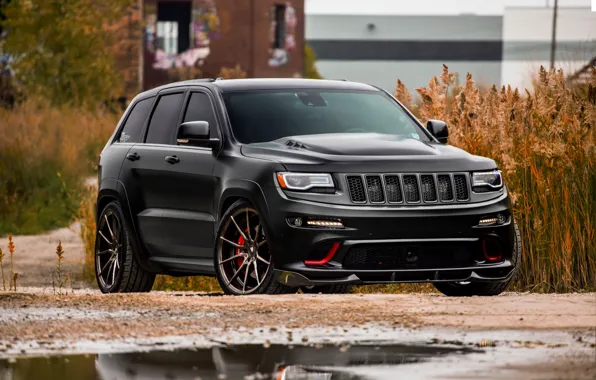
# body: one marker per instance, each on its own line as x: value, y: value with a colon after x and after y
x: 262, y: 116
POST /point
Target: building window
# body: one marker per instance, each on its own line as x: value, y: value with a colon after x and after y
x: 279, y: 21
x: 167, y: 36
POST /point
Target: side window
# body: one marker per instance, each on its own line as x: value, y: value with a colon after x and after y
x: 199, y: 109
x: 162, y: 126
x: 132, y: 132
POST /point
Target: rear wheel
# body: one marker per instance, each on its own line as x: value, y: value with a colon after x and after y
x: 242, y: 257
x: 116, y: 267
x: 327, y: 289
x: 460, y: 289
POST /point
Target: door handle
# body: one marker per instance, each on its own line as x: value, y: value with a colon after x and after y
x: 172, y: 159
x: 133, y: 156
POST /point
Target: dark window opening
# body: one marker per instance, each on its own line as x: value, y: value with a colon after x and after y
x: 279, y: 22
x: 173, y: 26
x: 163, y: 124
x: 200, y: 109
x: 132, y: 131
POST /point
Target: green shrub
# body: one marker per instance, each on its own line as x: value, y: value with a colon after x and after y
x: 45, y: 157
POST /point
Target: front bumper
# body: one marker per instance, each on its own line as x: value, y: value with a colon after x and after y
x: 416, y: 231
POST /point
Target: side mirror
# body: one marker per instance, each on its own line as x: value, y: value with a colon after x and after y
x: 438, y: 129
x: 195, y: 133
x: 194, y: 130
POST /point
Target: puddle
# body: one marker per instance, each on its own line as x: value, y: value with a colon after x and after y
x: 278, y: 362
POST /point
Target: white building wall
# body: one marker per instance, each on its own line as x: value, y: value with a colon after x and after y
x: 527, y: 42
x: 412, y: 48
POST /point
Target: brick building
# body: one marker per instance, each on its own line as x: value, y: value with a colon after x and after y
x: 188, y: 38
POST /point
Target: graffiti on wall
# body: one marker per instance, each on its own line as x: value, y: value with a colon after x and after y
x: 161, y: 40
x: 282, y: 30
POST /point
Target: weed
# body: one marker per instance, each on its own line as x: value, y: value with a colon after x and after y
x: 58, y: 278
x: 2, y: 269
x: 11, y: 248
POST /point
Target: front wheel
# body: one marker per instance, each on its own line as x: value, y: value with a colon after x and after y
x: 243, y: 261
x: 458, y: 289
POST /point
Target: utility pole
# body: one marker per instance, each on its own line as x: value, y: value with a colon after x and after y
x: 553, y: 44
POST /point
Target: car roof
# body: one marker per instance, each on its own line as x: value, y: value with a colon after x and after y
x: 265, y: 84
x: 289, y: 83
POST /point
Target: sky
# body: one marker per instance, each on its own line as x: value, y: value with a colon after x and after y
x: 428, y: 7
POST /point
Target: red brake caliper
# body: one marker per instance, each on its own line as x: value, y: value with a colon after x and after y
x: 240, y: 260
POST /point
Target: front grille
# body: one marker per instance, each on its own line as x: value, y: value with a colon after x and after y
x: 427, y: 188
x: 406, y: 256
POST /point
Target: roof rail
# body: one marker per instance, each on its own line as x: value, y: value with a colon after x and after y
x: 219, y: 78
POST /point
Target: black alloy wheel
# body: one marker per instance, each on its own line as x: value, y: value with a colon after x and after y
x: 116, y: 268
x: 243, y: 261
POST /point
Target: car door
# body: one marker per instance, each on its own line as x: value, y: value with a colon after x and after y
x: 145, y: 172
x: 174, y: 185
x: 190, y: 212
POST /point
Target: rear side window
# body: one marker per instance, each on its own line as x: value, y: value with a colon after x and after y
x: 132, y: 132
x: 200, y: 109
x: 162, y: 126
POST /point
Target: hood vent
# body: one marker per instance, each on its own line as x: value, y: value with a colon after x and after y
x: 295, y: 144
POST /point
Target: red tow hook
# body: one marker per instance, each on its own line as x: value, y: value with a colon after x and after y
x: 327, y: 258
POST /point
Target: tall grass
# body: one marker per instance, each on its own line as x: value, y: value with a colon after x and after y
x: 45, y: 154
x: 544, y: 140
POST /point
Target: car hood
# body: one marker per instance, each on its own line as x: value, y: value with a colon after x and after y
x: 365, y: 152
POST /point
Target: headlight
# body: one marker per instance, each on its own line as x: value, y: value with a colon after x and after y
x: 304, y: 181
x: 487, y: 180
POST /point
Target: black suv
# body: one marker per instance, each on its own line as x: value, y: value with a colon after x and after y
x: 278, y: 184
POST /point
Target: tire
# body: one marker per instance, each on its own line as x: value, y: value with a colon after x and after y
x: 234, y: 259
x: 327, y: 289
x: 116, y: 252
x: 453, y: 289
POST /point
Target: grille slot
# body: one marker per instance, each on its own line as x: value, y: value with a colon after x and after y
x: 461, y: 187
x: 429, y: 190
x: 356, y: 189
x: 445, y: 188
x: 411, y: 192
x: 375, y: 189
x: 393, y: 189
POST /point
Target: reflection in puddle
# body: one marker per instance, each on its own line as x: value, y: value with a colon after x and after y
x: 321, y: 362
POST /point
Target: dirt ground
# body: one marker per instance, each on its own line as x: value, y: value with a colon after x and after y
x: 535, y: 336
x: 35, y: 255
x: 38, y: 314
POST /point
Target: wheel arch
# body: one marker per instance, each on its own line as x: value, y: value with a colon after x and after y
x: 113, y: 190
x: 242, y: 189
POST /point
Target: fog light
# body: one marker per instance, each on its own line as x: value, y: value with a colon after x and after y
x: 487, y: 221
x: 324, y: 223
x: 501, y: 218
x: 296, y: 222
